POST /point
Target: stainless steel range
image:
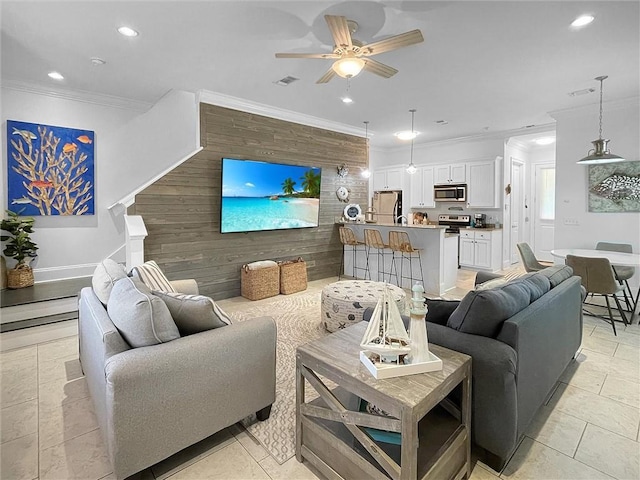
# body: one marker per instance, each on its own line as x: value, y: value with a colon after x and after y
x: 454, y: 222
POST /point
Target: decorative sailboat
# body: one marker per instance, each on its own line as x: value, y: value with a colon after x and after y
x: 388, y: 349
x: 385, y: 334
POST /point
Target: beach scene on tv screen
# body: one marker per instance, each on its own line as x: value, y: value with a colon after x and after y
x: 268, y: 196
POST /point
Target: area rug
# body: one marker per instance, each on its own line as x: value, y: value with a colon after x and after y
x: 298, y: 320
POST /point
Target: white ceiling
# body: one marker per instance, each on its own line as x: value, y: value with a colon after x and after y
x: 483, y: 67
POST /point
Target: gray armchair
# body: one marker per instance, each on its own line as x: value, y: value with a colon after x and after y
x: 154, y: 401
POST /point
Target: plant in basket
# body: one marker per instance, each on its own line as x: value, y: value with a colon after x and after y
x: 20, y: 247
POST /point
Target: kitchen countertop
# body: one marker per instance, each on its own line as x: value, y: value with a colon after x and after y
x: 394, y: 225
x: 488, y: 229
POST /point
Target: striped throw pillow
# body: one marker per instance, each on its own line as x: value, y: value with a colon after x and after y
x: 151, y: 275
x: 194, y: 313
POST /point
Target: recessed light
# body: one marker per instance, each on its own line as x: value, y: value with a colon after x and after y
x: 97, y: 61
x: 582, y: 20
x: 406, y: 135
x: 347, y: 100
x: 56, y: 76
x: 545, y: 140
x: 127, y: 32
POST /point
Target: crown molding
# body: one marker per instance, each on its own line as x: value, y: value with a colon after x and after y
x: 502, y: 134
x: 593, y: 107
x: 514, y: 142
x: 77, y: 95
x: 235, y: 103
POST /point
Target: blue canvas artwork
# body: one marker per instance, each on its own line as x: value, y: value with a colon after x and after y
x: 50, y: 169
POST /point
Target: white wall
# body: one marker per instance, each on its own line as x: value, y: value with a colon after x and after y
x: 575, y: 131
x: 131, y: 147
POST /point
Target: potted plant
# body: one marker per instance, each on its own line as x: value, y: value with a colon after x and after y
x: 20, y: 247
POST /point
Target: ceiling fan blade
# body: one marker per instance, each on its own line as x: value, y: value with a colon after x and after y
x: 393, y: 43
x: 339, y: 30
x: 327, y: 76
x: 379, y: 68
x: 307, y: 55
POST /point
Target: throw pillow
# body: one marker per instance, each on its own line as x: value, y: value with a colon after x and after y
x: 141, y: 318
x: 193, y: 313
x: 440, y: 310
x: 106, y: 274
x: 482, y: 312
x: 151, y: 275
x: 557, y: 274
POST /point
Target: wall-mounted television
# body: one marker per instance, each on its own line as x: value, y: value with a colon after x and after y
x: 268, y: 196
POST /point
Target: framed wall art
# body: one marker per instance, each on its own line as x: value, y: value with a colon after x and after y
x: 614, y: 187
x: 50, y: 169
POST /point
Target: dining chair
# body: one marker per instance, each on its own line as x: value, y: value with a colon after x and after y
x: 529, y: 260
x: 623, y: 274
x: 598, y: 278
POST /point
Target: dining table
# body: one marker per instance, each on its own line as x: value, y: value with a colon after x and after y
x: 615, y: 258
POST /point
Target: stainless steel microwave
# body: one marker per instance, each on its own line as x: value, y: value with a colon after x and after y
x: 450, y: 193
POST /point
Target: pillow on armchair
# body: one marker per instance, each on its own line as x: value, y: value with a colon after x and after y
x: 106, y: 274
x: 151, y: 275
x: 193, y: 313
x: 141, y: 318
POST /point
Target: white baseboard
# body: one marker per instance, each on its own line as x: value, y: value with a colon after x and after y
x: 51, y: 274
x: 35, y: 335
x: 38, y: 309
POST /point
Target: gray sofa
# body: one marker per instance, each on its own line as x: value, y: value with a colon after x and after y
x: 154, y: 401
x: 515, y: 369
x: 515, y: 372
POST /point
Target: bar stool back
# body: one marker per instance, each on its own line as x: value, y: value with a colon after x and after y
x: 402, y: 249
x: 373, y: 240
x: 349, y: 240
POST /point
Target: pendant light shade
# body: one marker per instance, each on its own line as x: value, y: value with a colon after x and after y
x: 411, y: 169
x: 600, y: 153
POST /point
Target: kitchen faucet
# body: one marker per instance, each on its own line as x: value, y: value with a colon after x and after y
x: 403, y: 219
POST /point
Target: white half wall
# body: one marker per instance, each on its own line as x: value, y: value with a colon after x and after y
x: 132, y: 146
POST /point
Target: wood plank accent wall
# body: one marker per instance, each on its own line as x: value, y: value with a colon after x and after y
x: 182, y: 209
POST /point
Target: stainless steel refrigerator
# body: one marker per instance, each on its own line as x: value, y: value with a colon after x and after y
x: 388, y: 206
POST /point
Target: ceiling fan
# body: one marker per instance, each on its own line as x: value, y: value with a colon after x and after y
x: 349, y: 52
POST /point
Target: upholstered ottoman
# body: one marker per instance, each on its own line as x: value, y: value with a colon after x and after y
x: 343, y: 303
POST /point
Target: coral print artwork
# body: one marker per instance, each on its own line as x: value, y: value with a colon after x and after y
x: 50, y: 169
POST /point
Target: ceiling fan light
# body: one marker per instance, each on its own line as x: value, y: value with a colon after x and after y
x: 582, y: 20
x: 348, y: 67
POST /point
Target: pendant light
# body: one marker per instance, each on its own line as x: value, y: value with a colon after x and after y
x: 366, y: 173
x: 600, y: 153
x: 411, y: 169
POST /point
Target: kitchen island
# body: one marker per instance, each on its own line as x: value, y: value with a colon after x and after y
x: 438, y: 250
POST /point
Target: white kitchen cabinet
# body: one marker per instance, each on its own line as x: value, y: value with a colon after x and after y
x: 387, y: 179
x: 455, y: 173
x: 421, y: 188
x: 481, y: 249
x: 483, y: 184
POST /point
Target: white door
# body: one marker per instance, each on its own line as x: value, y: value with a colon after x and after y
x: 517, y: 197
x: 544, y: 210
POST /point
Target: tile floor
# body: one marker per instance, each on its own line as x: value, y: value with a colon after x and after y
x: 588, y: 429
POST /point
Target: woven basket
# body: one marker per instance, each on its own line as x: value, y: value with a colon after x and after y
x: 293, y: 276
x: 20, y: 277
x: 259, y: 283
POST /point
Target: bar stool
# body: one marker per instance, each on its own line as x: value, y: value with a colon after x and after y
x: 373, y: 240
x: 348, y: 239
x: 400, y: 244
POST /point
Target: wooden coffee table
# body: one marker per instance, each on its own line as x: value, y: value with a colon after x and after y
x: 434, y: 433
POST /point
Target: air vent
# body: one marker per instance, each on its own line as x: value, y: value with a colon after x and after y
x: 584, y: 91
x: 442, y: 122
x: 286, y: 81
